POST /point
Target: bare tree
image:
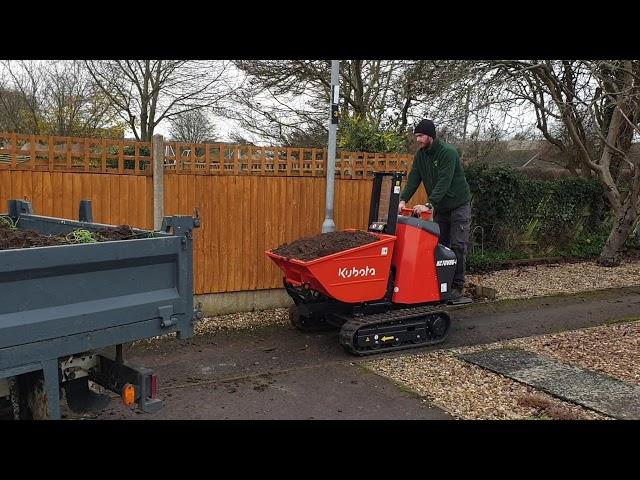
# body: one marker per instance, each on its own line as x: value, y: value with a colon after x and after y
x: 598, y: 104
x: 313, y: 137
x: 13, y: 109
x: 20, y: 95
x: 237, y: 137
x: 467, y: 102
x: 145, y: 92
x: 282, y: 98
x: 72, y: 104
x: 52, y: 97
x: 192, y: 127
x: 289, y: 99
x: 431, y: 88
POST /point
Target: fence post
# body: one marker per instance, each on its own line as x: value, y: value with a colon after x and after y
x: 158, y: 181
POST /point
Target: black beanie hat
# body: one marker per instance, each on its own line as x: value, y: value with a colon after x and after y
x: 427, y: 127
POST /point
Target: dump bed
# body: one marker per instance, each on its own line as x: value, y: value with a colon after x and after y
x: 355, y: 275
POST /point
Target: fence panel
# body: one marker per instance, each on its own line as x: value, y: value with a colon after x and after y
x: 249, y: 198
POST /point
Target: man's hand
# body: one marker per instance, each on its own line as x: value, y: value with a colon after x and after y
x: 401, y: 205
x: 418, y: 209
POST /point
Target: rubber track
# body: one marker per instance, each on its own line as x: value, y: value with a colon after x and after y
x: 351, y: 327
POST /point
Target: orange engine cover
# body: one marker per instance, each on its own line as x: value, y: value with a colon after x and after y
x: 414, y: 259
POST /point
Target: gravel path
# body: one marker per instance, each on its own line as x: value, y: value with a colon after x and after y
x: 470, y: 392
x: 553, y: 279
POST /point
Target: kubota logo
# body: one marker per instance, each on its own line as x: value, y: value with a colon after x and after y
x: 345, y: 272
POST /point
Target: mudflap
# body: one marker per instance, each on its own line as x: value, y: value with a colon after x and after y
x: 81, y: 399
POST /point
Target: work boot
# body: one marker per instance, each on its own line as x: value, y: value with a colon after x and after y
x: 456, y: 292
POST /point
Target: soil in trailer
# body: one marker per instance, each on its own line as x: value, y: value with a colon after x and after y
x: 11, y: 238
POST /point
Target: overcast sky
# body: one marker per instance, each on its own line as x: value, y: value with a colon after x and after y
x: 223, y: 128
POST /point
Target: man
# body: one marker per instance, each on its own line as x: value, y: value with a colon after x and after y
x: 438, y: 166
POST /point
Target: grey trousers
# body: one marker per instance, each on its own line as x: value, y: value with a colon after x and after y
x: 454, y: 233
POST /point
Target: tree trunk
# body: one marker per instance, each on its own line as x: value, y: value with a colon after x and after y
x: 466, y: 122
x: 623, y: 223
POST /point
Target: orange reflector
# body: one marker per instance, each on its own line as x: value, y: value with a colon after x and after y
x: 128, y: 394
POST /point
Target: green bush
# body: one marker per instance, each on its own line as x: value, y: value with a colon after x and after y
x: 360, y: 135
x: 586, y: 245
x: 131, y: 150
x: 538, y: 217
x: 481, y: 261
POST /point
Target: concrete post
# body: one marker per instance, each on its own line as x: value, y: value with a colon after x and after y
x: 158, y: 181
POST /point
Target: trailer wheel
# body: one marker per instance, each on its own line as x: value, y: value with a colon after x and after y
x: 6, y: 408
x: 32, y: 398
x: 305, y: 323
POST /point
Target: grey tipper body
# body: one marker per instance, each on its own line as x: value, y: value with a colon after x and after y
x: 62, y: 303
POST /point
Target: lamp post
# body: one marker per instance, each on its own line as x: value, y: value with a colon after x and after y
x: 329, y: 225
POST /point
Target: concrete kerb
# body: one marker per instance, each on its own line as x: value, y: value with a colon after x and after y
x: 214, y: 304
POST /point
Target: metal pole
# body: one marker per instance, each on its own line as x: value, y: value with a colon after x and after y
x: 158, y: 181
x: 329, y: 225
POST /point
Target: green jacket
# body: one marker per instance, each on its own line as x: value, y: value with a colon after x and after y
x: 440, y: 170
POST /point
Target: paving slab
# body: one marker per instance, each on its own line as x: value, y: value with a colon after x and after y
x: 596, y: 391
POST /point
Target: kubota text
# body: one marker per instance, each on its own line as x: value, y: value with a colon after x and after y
x: 345, y: 272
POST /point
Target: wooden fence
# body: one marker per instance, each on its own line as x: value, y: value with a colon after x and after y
x: 71, y: 154
x: 91, y: 155
x: 242, y: 214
